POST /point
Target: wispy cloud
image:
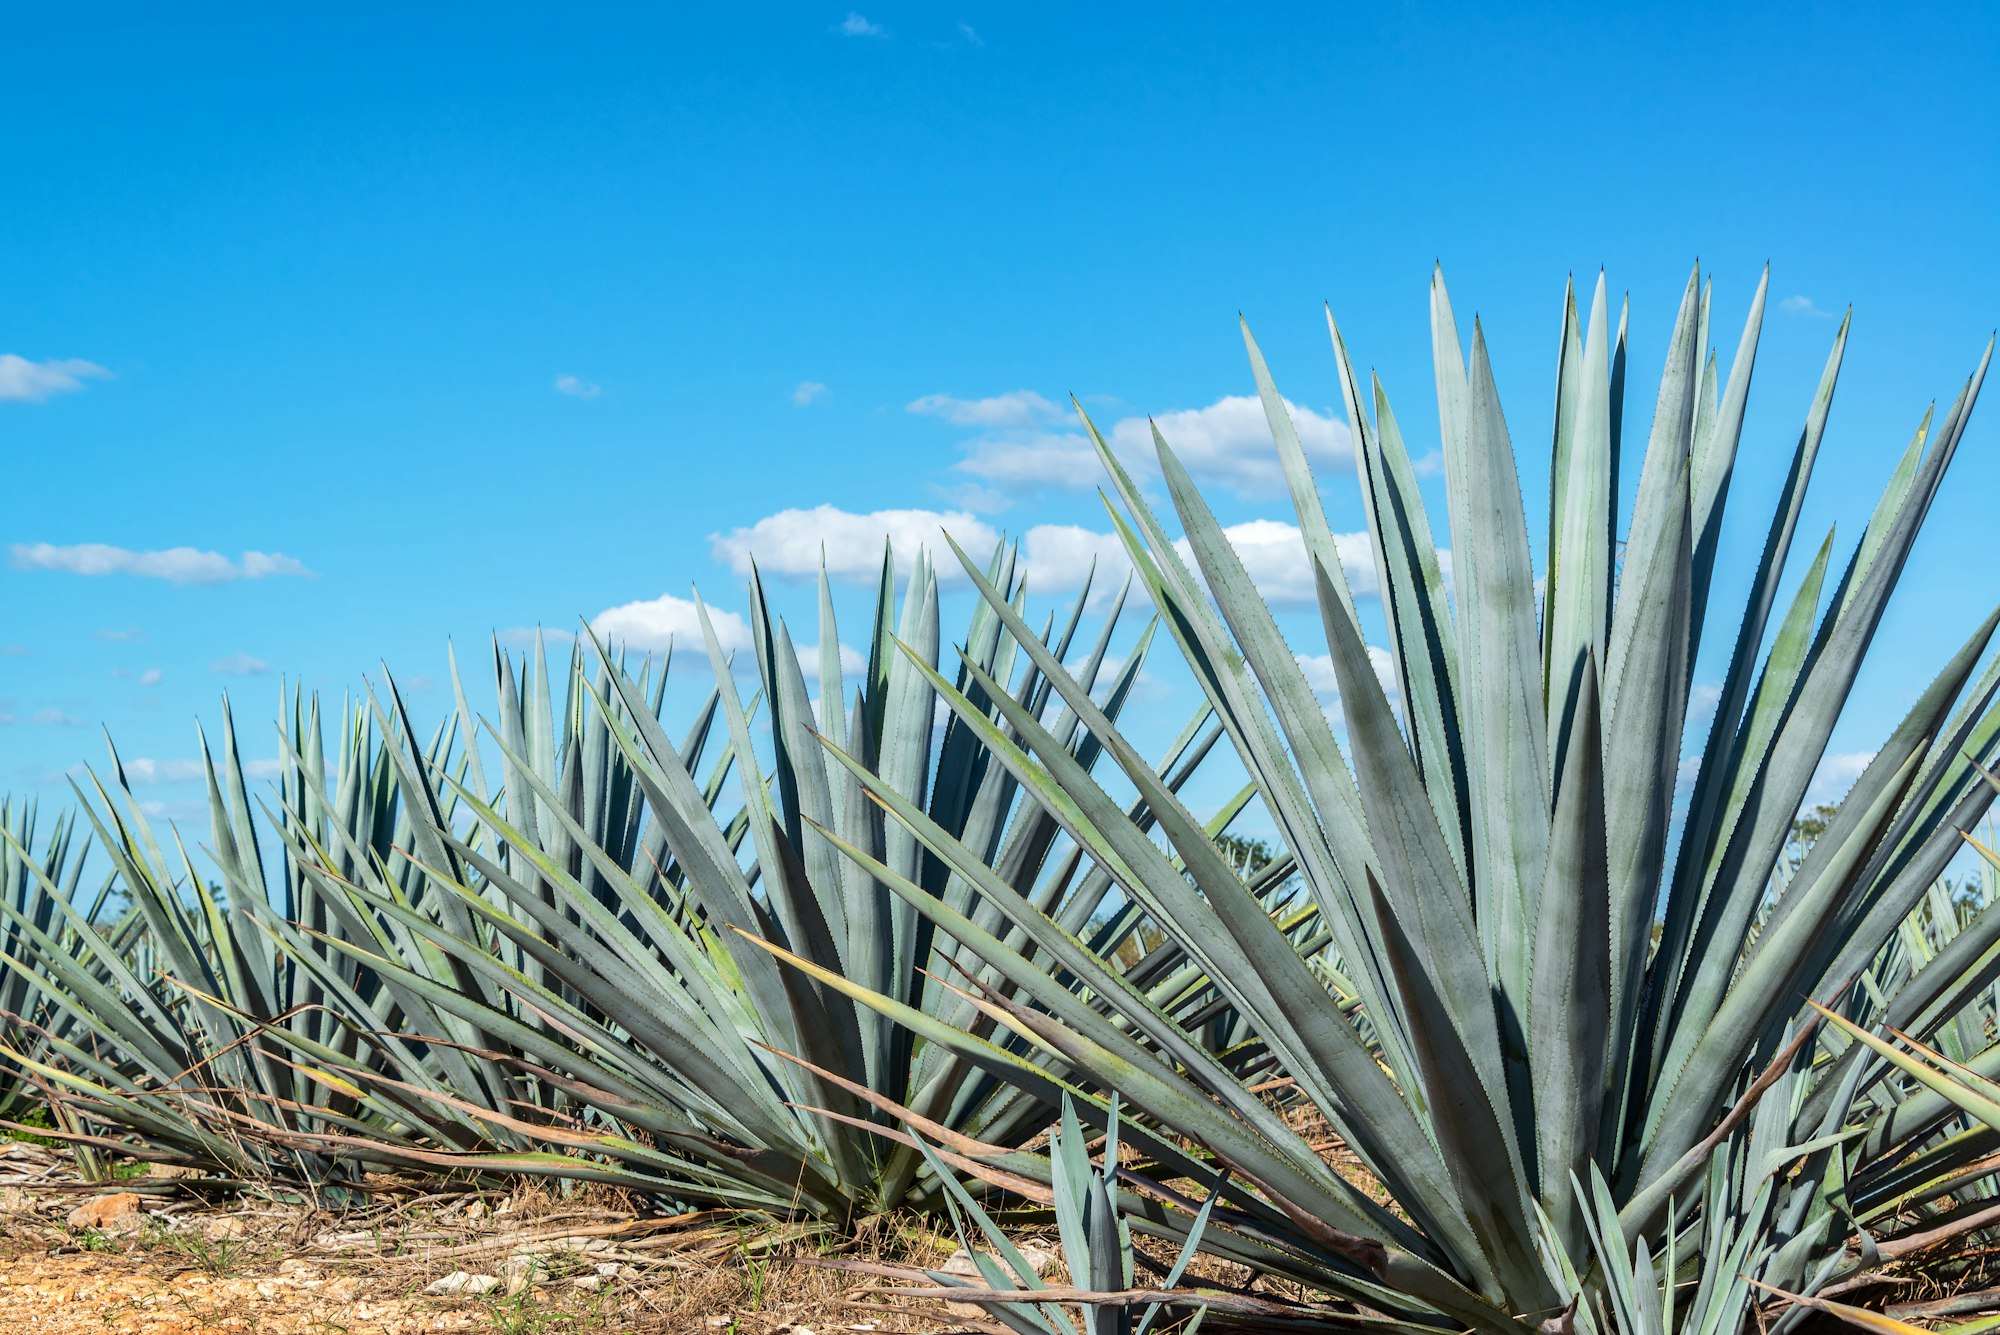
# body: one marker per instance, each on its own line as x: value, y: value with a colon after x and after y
x: 23, y: 381
x: 128, y: 635
x: 239, y: 665
x: 1803, y: 306
x: 52, y: 717
x: 854, y: 25
x: 577, y: 387
x: 525, y: 637
x: 807, y: 391
x: 151, y: 676
x: 1016, y: 408
x: 971, y: 34
x: 176, y: 565
x: 148, y: 770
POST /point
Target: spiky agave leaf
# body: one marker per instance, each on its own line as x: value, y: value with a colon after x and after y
x: 1096, y: 1241
x: 1491, y: 877
x: 38, y: 875
x: 604, y: 898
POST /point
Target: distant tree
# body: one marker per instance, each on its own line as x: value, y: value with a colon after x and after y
x: 1807, y: 827
x: 1246, y: 856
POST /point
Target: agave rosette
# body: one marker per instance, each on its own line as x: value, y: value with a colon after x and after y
x: 1555, y: 989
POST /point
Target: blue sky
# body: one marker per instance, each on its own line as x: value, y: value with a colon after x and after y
x: 416, y: 326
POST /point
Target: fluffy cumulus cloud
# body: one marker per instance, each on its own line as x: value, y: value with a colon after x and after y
x: 1835, y: 775
x: 852, y: 660
x: 1056, y: 557
x: 23, y: 381
x: 1229, y: 441
x: 792, y: 543
x: 1319, y: 673
x: 653, y: 624
x: 176, y: 565
x: 1021, y: 448
x: 1274, y: 556
x: 1028, y: 461
x: 1804, y: 306
x: 855, y: 25
x: 1062, y: 556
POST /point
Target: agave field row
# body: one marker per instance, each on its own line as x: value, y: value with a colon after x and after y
x: 1538, y: 949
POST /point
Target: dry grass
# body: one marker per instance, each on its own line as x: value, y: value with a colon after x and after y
x: 558, y: 1264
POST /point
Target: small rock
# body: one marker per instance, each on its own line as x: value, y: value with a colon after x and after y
x: 293, y: 1265
x: 589, y: 1283
x: 1040, y: 1259
x: 100, y: 1211
x: 223, y: 1228
x: 172, y: 1172
x: 459, y: 1282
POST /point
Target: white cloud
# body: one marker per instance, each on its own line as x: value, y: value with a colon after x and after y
x: 1056, y: 556
x: 1835, y: 775
x: 129, y: 635
x: 652, y: 624
x: 1021, y: 407
x: 1033, y: 461
x: 145, y: 769
x: 1227, y: 443
x: 55, y: 718
x: 1803, y: 306
x: 1703, y: 698
x: 791, y: 542
x: 851, y: 661
x: 577, y: 387
x: 1274, y: 556
x: 1318, y: 669
x: 146, y: 677
x: 23, y: 381
x: 854, y: 25
x: 971, y: 34
x: 177, y: 565
x: 239, y: 665
x: 806, y: 391
x: 524, y: 637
